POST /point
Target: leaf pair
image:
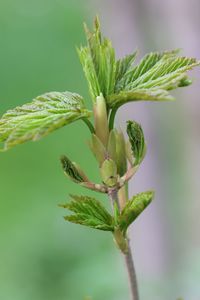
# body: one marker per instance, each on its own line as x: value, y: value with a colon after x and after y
x: 90, y: 212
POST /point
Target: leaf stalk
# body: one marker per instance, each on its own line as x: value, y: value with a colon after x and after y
x: 89, y: 125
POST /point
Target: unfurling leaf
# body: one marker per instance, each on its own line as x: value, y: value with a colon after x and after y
x: 43, y: 115
x: 153, y: 94
x: 152, y: 78
x: 136, y: 138
x: 123, y: 66
x: 98, y: 61
x: 89, y: 212
x: 72, y: 170
x: 134, y: 208
x: 145, y: 64
x: 121, y: 81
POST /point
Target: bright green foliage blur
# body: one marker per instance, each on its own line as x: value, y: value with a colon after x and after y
x: 42, y: 256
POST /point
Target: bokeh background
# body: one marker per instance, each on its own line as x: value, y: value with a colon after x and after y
x: 41, y: 256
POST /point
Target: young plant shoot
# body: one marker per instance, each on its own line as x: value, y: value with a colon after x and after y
x: 112, y: 83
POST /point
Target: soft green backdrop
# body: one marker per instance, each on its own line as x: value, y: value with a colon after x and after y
x: 41, y: 256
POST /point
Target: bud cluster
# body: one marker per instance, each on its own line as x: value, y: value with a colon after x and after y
x: 112, y: 153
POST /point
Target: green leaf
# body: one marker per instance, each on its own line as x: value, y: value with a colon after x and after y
x: 72, y: 170
x: 89, y: 212
x: 165, y: 74
x: 90, y: 72
x: 146, y: 63
x: 98, y: 61
x: 123, y: 67
x: 121, y: 81
x: 136, y: 138
x: 134, y: 208
x: 37, y: 119
x: 153, y: 94
x: 152, y: 78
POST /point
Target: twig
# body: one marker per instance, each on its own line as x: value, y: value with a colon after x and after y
x: 131, y: 274
x: 113, y: 195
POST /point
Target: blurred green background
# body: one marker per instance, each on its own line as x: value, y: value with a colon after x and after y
x: 41, y: 256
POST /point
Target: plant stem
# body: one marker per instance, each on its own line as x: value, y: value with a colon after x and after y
x: 131, y: 274
x: 113, y: 195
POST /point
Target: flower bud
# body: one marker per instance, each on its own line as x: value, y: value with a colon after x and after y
x: 101, y: 120
x: 111, y: 149
x: 109, y: 173
x: 72, y: 170
x: 80, y: 171
x: 121, y: 153
x: 136, y: 138
x: 98, y: 149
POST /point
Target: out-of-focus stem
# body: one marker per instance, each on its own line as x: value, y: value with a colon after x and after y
x: 122, y: 195
x: 131, y: 274
x: 114, y: 197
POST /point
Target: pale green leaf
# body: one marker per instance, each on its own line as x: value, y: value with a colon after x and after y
x: 134, y: 208
x: 152, y: 78
x: 123, y: 66
x: 146, y: 63
x: 153, y: 94
x: 89, y: 212
x: 98, y: 61
x: 43, y: 115
x: 121, y: 80
x: 90, y: 72
x: 165, y: 74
